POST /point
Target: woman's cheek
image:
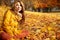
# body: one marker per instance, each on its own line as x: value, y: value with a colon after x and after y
x: 16, y: 7
x: 20, y: 8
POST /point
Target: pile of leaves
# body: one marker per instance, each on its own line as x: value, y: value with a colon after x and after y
x: 41, y: 26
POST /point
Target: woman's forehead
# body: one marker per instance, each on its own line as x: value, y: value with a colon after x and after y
x: 17, y: 3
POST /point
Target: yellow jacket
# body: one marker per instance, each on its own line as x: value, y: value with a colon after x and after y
x: 11, y: 23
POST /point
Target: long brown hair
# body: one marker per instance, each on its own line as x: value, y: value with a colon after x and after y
x: 22, y: 11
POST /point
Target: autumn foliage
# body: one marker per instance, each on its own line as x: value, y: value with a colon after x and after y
x: 40, y: 26
x: 45, y: 3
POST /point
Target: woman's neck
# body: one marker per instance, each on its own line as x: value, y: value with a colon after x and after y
x: 17, y: 12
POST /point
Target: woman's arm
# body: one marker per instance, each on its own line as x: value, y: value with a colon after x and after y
x: 6, y: 23
x: 7, y: 17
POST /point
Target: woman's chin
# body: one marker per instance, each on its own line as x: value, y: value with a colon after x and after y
x: 19, y: 10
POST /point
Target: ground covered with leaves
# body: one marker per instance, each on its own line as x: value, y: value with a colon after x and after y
x: 41, y: 26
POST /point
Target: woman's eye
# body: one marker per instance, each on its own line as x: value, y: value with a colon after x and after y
x: 17, y: 5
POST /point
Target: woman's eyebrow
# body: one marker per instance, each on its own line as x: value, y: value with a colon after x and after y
x: 18, y: 4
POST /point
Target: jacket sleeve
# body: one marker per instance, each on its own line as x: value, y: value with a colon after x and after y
x: 7, y: 18
x: 6, y: 22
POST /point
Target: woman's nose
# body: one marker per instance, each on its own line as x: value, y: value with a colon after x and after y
x: 19, y: 6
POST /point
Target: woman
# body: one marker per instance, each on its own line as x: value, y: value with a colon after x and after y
x: 12, y: 19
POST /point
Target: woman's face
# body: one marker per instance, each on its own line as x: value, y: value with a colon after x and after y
x: 18, y: 6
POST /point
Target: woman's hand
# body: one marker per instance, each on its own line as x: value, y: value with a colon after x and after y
x: 23, y: 34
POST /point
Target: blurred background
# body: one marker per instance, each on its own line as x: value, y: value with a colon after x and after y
x: 42, y: 18
x: 37, y: 5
